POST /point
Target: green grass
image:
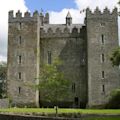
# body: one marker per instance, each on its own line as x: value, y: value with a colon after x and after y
x: 60, y: 111
x: 103, y: 118
x: 48, y: 110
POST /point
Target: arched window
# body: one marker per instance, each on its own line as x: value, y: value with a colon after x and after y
x: 74, y: 30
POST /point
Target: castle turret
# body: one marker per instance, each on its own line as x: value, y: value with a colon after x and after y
x: 68, y: 19
x: 41, y: 18
x: 11, y: 14
x: 102, y: 38
x: 46, y: 18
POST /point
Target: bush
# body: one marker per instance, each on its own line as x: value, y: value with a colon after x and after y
x: 114, y: 101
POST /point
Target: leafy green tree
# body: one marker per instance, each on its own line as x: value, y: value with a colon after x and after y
x: 3, y: 75
x: 115, y: 57
x: 52, y: 83
x: 119, y: 2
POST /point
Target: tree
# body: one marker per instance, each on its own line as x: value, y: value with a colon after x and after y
x: 52, y: 83
x: 118, y: 2
x: 115, y: 57
x: 3, y: 75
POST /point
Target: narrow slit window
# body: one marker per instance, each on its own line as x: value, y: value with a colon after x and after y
x: 102, y: 58
x: 19, y: 59
x: 49, y: 57
x: 19, y: 26
x: 103, y: 74
x: 103, y: 88
x: 19, y: 90
x: 103, y: 39
x: 19, y: 75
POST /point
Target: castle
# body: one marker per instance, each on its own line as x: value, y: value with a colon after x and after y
x: 84, y: 48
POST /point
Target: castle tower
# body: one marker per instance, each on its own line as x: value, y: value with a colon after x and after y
x: 68, y: 19
x: 22, y: 58
x: 102, y: 38
x: 84, y: 48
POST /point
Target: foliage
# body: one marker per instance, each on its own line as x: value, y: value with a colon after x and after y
x: 3, y: 75
x: 119, y: 2
x: 115, y: 57
x: 3, y: 70
x: 52, y: 83
x: 114, y: 102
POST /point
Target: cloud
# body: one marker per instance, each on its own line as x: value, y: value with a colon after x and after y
x: 93, y: 3
x: 55, y: 17
x: 5, y: 6
x: 59, y: 17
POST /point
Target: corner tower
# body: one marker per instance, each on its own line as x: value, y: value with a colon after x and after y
x: 22, y: 58
x: 102, y: 38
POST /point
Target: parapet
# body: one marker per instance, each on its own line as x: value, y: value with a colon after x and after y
x: 28, y: 16
x: 98, y: 13
x: 52, y: 31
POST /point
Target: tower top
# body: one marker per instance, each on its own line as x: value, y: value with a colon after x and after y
x: 68, y: 15
x: 68, y: 19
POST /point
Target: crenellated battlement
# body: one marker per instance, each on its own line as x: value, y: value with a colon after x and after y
x: 97, y: 12
x: 27, y: 15
x: 61, y: 31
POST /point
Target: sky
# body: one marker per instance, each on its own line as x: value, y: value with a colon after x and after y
x: 56, y: 8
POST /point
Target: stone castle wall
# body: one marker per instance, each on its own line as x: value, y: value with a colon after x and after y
x: 102, y: 38
x: 84, y: 49
x: 22, y: 41
x: 70, y: 47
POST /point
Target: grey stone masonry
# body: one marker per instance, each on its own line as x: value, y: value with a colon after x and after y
x: 102, y: 38
x: 84, y: 49
x: 4, y: 103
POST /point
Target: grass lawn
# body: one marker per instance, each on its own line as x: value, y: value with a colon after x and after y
x: 103, y: 118
x: 50, y: 110
x: 69, y: 111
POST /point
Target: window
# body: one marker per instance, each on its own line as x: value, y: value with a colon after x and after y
x: 19, y: 75
x: 103, y: 39
x: 49, y: 57
x: 103, y: 74
x: 19, y: 26
x: 103, y: 88
x: 73, y: 87
x: 19, y: 90
x: 76, y: 100
x: 102, y: 24
x: 102, y: 58
x: 19, y: 59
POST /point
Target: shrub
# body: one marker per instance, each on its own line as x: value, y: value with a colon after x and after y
x: 114, y: 101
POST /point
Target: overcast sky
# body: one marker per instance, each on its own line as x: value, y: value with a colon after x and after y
x: 57, y: 9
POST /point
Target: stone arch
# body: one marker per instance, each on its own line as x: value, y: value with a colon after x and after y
x: 58, y: 30
x: 66, y: 30
x: 50, y: 31
x: 75, y: 30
